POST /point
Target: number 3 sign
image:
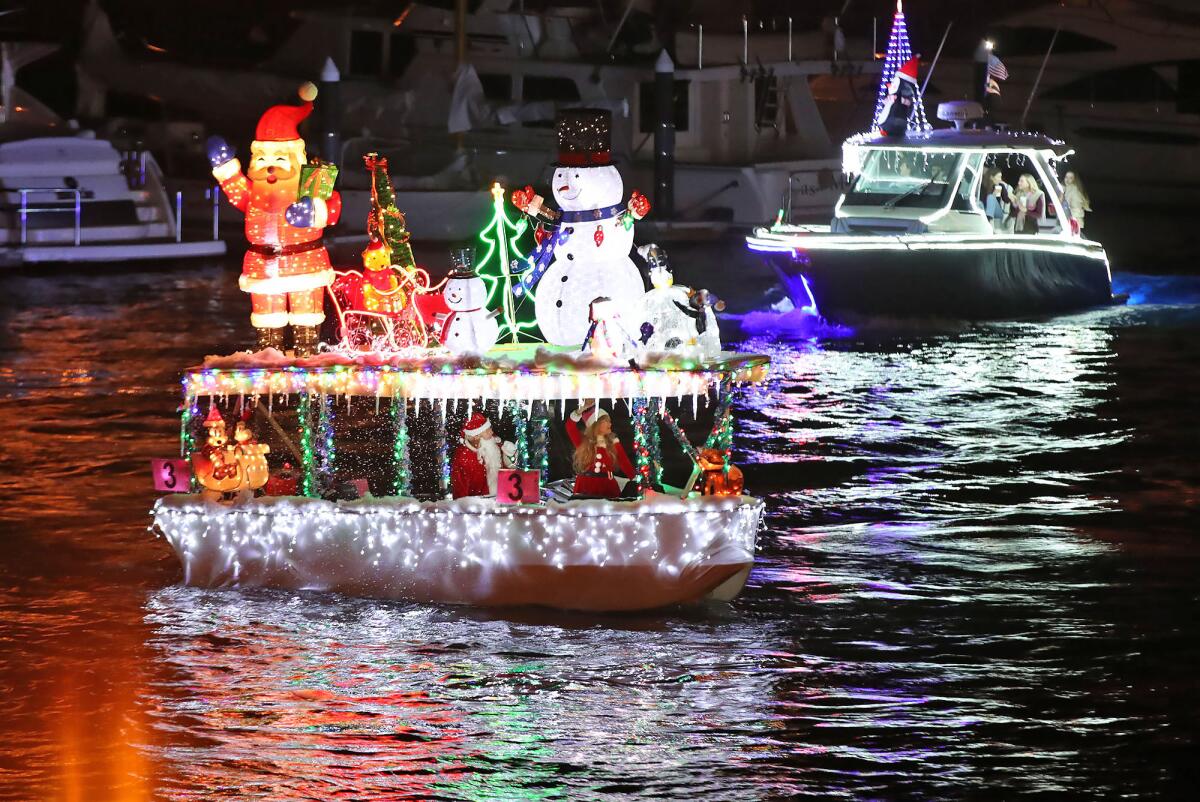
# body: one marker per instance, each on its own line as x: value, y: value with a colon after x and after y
x: 172, y: 475
x: 518, y: 487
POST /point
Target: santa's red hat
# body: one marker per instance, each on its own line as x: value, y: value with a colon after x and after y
x: 214, y: 417
x: 592, y: 414
x: 476, y: 425
x: 909, y: 70
x: 278, y: 123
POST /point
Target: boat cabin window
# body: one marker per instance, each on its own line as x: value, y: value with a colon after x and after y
x: 966, y: 196
x: 904, y: 179
x: 402, y: 49
x: 549, y: 87
x: 366, y: 53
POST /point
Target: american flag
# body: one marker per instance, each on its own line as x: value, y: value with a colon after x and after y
x: 996, y: 68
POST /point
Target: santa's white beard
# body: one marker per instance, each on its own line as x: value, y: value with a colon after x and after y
x: 489, y: 455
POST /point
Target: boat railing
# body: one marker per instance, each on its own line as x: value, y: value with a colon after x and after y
x: 57, y: 192
x: 76, y: 198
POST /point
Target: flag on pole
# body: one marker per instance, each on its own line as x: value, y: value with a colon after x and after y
x: 996, y: 68
x: 992, y: 88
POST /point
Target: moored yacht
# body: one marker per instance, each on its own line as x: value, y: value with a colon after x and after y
x: 68, y: 196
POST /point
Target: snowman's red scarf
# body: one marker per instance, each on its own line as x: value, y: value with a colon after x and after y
x: 444, y: 331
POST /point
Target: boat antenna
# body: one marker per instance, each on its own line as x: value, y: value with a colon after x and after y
x: 1038, y: 80
x: 936, y: 56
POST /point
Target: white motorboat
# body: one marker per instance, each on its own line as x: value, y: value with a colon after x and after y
x: 911, y: 237
x: 68, y: 196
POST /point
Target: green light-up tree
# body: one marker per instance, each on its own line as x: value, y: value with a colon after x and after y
x: 501, y: 246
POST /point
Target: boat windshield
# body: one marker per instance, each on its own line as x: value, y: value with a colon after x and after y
x: 904, y: 179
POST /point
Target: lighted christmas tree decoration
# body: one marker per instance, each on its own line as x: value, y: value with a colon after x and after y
x: 898, y: 97
x: 385, y: 222
x: 501, y: 248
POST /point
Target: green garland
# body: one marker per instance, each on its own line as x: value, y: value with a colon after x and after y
x: 521, y: 424
x: 308, y: 473
x: 326, y: 449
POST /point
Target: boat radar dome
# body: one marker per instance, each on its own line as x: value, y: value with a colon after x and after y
x: 959, y: 112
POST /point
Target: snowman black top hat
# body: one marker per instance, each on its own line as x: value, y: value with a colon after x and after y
x: 584, y: 137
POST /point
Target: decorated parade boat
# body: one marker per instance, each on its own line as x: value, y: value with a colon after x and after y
x: 414, y: 456
x: 967, y: 223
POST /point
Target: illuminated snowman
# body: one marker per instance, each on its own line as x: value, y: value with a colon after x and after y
x: 469, y: 328
x: 594, y: 235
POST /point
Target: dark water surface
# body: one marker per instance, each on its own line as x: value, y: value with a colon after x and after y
x: 979, y: 577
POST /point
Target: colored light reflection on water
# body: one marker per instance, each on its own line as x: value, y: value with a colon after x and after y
x: 978, y: 571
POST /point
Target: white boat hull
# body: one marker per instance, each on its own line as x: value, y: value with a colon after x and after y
x: 110, y: 252
x: 583, y: 555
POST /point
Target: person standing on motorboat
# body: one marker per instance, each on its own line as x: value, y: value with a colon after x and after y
x: 1077, y: 197
x: 1029, y: 205
x: 997, y: 201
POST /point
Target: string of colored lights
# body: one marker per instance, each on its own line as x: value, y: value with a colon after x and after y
x: 540, y: 454
x: 501, y: 379
x: 308, y: 473
x: 721, y: 436
x: 655, y: 440
x: 680, y: 437
x: 402, y: 483
x: 443, y: 450
x: 325, y: 447
x: 643, y: 460
x: 521, y: 426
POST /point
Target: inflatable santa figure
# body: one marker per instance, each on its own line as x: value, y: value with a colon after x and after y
x: 476, y: 461
x: 902, y: 96
x: 591, y: 245
x: 286, y: 268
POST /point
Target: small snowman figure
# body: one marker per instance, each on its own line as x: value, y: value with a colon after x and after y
x: 607, y: 338
x: 468, y: 327
x: 681, y: 319
x: 595, y: 231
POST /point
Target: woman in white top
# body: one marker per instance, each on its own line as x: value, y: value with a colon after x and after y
x: 1077, y: 197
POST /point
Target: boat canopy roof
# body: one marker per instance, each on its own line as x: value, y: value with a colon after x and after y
x: 507, y: 373
x: 967, y: 139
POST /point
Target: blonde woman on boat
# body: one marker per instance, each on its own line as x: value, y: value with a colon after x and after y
x: 1077, y: 197
x: 1029, y: 205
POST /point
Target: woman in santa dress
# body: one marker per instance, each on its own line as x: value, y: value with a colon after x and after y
x: 597, y: 453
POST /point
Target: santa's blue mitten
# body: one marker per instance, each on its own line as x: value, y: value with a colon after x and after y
x: 300, y: 214
x: 219, y: 151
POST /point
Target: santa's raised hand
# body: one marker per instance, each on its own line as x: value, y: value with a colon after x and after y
x: 219, y: 151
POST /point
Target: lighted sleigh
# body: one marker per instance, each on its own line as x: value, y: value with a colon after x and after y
x: 371, y: 318
x: 660, y: 549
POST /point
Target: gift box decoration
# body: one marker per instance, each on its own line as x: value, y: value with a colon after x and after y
x: 317, y: 179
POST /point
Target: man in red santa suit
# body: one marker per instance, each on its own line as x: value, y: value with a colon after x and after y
x: 476, y: 461
x: 286, y: 268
